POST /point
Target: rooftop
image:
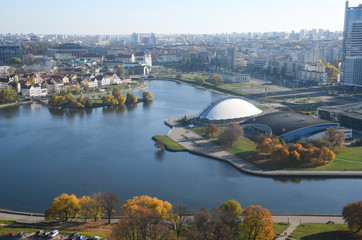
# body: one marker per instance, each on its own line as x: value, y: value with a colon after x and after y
x: 353, y: 109
x: 284, y: 122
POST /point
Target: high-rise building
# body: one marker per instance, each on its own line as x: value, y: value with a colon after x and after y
x: 135, y: 38
x: 352, y: 46
x: 8, y: 52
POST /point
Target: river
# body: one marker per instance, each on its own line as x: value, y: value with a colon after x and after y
x: 46, y: 152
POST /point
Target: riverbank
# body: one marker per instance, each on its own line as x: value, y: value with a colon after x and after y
x: 199, y: 145
x: 14, y: 104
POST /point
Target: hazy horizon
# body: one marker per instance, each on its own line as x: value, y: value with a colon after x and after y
x: 111, y: 17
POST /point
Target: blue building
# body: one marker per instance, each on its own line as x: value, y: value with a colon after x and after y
x: 289, y: 126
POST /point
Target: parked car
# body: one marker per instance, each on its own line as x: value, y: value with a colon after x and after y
x: 46, y: 234
x: 81, y: 237
x: 74, y: 235
x: 53, y: 233
x: 21, y: 234
x: 39, y: 233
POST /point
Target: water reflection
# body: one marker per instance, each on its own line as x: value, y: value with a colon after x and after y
x: 131, y: 107
x: 297, y: 180
x: 147, y: 105
x: 114, y: 109
x: 10, y: 112
x: 159, y: 154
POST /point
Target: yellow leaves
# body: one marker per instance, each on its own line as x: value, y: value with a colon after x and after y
x: 257, y: 223
x: 163, y: 208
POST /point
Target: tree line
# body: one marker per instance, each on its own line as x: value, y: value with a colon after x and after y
x: 314, y: 152
x: 144, y: 217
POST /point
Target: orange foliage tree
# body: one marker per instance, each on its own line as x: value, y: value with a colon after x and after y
x: 211, y: 129
x: 352, y: 214
x: 163, y: 208
x: 257, y: 224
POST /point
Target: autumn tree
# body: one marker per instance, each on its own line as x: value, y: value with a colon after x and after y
x: 211, y: 129
x: 77, y: 88
x: 147, y: 96
x: 335, y: 137
x: 257, y: 224
x: 14, y: 60
x: 85, y: 204
x: 352, y: 215
x: 159, y: 144
x: 110, y: 203
x: 268, y: 145
x: 109, y: 100
x: 139, y: 223
x: 201, y: 226
x: 199, y: 80
x: 180, y: 217
x: 8, y: 96
x: 230, y: 135
x: 163, y: 208
x: 63, y: 207
x: 179, y: 76
x: 131, y: 98
x: 216, y: 79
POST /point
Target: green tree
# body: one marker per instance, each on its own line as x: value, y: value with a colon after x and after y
x: 88, y: 103
x: 8, y: 96
x: 199, y: 80
x: 232, y: 206
x: 69, y: 99
x: 120, y: 70
x: 216, y: 79
x: 131, y: 98
x: 116, y: 91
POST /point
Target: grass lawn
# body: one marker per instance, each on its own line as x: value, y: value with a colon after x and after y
x: 170, y: 144
x: 7, y: 222
x: 122, y: 86
x: 280, y: 227
x: 244, y: 148
x: 322, y: 231
x: 349, y: 159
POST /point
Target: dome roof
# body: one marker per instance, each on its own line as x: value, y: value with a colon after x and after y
x: 229, y: 108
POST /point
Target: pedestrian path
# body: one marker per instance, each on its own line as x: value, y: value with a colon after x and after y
x: 197, y: 144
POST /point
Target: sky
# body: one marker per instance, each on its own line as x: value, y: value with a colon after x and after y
x: 169, y: 16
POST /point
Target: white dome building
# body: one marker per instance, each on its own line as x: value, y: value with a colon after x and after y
x: 227, y: 109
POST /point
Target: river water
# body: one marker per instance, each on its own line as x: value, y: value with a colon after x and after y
x: 45, y: 152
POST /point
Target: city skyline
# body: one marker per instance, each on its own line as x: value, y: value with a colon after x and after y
x: 162, y: 17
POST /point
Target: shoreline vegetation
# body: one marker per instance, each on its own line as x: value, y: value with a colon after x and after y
x: 169, y: 144
x: 92, y: 215
x: 346, y: 158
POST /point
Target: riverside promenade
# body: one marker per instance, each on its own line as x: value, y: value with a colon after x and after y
x: 199, y: 145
